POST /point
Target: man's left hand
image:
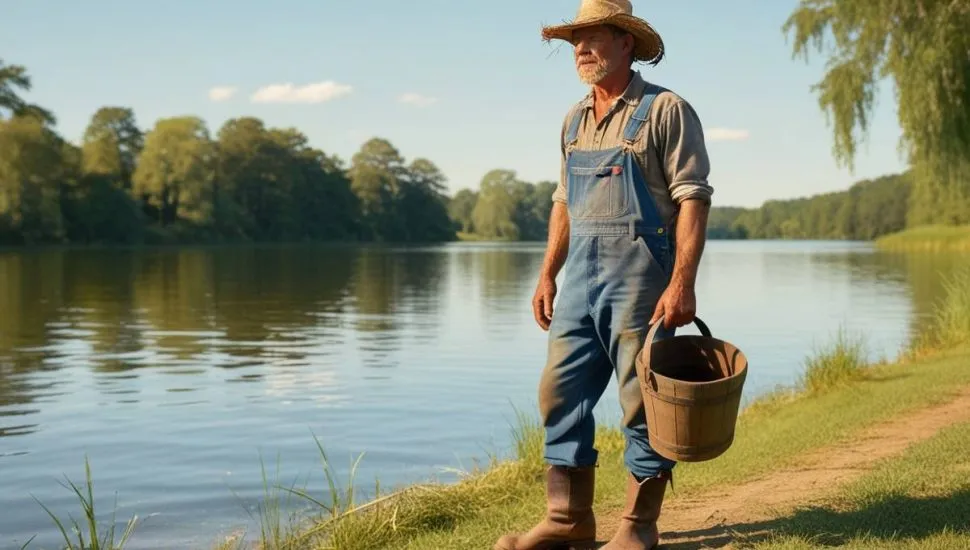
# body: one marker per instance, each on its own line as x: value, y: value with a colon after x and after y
x: 677, y: 306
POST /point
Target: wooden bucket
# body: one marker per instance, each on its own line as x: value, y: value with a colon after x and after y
x: 691, y: 389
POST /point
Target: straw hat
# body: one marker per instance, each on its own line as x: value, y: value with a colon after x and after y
x: 648, y: 46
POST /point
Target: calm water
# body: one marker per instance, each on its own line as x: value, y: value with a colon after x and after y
x: 176, y: 371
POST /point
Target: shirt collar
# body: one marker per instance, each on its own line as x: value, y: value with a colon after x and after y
x: 631, y: 95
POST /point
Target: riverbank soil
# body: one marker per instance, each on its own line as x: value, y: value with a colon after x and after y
x: 753, y: 511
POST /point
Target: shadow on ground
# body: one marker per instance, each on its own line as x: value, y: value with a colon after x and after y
x: 891, y: 518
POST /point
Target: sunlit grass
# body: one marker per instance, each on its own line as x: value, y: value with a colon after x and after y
x: 918, y: 500
x: 841, y: 362
x: 928, y: 238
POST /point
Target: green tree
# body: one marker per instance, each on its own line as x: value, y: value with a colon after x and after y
x: 496, y: 211
x: 321, y: 204
x: 423, y: 203
x: 923, y: 47
x: 111, y: 145
x: 175, y: 170
x: 460, y: 209
x: 12, y: 78
x: 33, y: 168
x: 376, y: 172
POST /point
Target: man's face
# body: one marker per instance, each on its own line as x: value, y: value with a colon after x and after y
x: 598, y: 52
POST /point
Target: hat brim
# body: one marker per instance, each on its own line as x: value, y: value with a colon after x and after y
x: 648, y: 47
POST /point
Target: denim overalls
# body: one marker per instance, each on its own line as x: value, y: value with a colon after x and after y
x: 618, y: 265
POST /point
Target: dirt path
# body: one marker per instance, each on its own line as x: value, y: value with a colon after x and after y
x: 708, y: 520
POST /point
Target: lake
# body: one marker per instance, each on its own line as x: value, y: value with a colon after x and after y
x: 177, y: 371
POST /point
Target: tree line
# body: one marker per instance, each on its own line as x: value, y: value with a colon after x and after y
x: 179, y: 182
x: 865, y: 211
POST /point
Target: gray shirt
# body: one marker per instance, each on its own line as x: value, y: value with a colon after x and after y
x: 670, y: 146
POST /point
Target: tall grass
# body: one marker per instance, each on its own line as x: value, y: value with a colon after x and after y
x: 840, y: 362
x: 97, y: 538
x: 949, y: 326
x: 396, y: 516
x: 274, y: 529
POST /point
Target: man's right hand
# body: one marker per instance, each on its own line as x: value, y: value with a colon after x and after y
x: 542, y: 301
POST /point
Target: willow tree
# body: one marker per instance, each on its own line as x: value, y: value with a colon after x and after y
x: 923, y: 47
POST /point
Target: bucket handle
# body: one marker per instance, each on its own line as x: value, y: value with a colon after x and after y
x: 706, y: 332
x: 652, y: 333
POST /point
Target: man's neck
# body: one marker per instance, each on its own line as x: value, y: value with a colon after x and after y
x: 612, y: 86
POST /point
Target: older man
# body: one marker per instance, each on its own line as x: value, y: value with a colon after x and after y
x: 627, y: 229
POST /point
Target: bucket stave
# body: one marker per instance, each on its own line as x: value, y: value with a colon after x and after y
x: 691, y: 388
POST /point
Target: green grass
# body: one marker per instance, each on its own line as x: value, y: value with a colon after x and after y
x: 950, y: 324
x: 88, y: 534
x: 928, y: 238
x: 918, y: 500
x: 842, y: 362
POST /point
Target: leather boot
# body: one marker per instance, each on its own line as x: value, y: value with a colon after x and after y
x: 638, y: 525
x: 569, y: 521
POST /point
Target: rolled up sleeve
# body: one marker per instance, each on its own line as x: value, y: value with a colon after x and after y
x: 559, y: 195
x: 685, y: 158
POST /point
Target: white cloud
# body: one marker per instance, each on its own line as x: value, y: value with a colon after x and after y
x: 726, y: 134
x: 222, y: 93
x: 417, y: 100
x: 318, y: 92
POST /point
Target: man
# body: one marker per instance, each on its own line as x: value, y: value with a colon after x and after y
x: 627, y: 228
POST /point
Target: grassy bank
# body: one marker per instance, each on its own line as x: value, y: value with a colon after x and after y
x: 776, y: 431
x: 918, y: 500
x: 934, y: 238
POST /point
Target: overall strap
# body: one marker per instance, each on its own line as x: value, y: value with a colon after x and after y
x: 572, y: 131
x: 639, y: 116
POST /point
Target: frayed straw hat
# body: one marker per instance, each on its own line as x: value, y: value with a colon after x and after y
x: 649, y: 47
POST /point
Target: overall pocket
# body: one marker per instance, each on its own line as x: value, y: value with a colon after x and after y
x: 598, y: 193
x: 657, y: 250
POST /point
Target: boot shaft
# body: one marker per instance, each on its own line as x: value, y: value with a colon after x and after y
x: 644, y: 499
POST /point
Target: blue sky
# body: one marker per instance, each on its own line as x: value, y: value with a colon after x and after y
x: 485, y: 91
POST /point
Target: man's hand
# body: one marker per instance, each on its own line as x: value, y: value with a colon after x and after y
x: 542, y: 301
x: 677, y: 306
x: 556, y: 250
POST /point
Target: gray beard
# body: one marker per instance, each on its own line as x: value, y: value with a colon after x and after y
x: 592, y: 76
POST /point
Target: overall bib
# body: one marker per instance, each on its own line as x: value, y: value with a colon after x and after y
x: 618, y: 265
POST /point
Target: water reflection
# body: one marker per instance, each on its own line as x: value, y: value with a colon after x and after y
x: 919, y: 277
